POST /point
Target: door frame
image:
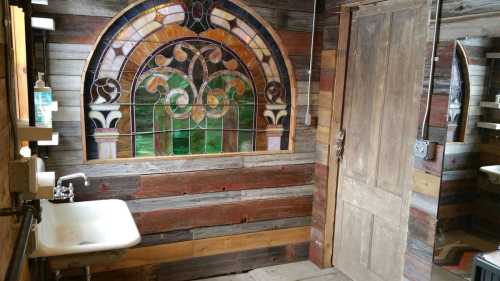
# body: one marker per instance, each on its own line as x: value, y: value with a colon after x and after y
x: 336, y: 123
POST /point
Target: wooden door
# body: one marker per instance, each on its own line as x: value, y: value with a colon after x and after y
x: 380, y: 119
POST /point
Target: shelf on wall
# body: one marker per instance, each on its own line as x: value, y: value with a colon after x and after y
x: 490, y: 104
x: 27, y: 133
x: 488, y: 125
x: 493, y: 55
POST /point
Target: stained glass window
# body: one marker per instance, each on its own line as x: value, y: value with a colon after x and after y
x: 187, y: 78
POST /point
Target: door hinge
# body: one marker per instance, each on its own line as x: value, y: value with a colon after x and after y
x: 339, y: 144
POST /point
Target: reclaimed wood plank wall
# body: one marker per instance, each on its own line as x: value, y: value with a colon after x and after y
x: 319, y: 240
x: 487, y: 216
x: 203, y: 216
x: 459, y: 187
x: 6, y: 224
x: 451, y: 176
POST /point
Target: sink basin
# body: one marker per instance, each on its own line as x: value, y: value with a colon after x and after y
x: 84, y: 227
x: 493, y: 173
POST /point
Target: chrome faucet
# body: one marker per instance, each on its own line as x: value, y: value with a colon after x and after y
x: 62, y: 192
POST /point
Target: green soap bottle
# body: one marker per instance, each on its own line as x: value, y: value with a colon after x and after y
x: 43, y: 103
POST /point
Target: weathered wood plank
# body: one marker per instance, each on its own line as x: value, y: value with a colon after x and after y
x: 65, y: 82
x: 224, y: 230
x: 109, y: 8
x: 67, y: 114
x: 230, y: 213
x: 67, y: 98
x: 66, y: 67
x: 102, y: 8
x: 426, y: 184
x: 224, y: 180
x: 204, y: 267
x: 207, y: 247
x: 157, y: 166
x: 482, y: 25
x: 77, y: 29
x: 458, y: 8
x: 129, y: 187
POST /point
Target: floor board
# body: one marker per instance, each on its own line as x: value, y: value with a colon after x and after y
x: 301, y: 271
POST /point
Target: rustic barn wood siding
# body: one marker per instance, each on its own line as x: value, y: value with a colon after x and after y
x: 6, y: 224
x: 258, y: 207
x: 455, y: 169
x: 461, y: 161
x: 486, y: 218
x: 451, y: 168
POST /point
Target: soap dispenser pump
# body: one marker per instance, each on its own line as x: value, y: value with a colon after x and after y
x: 43, y: 103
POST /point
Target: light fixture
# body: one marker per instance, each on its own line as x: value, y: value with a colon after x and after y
x: 43, y: 23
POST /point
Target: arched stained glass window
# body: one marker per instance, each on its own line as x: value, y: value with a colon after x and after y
x: 187, y: 77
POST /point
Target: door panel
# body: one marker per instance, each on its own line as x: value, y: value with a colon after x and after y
x: 359, y: 157
x: 384, y: 75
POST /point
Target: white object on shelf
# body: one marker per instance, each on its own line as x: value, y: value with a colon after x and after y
x: 40, y: 2
x: 493, y: 55
x: 43, y: 23
x: 25, y: 151
x: 488, y: 125
x: 493, y: 173
x: 490, y: 104
x: 53, y: 142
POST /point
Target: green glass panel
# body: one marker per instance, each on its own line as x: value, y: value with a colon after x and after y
x: 177, y: 81
x: 144, y: 145
x: 162, y: 125
x: 181, y: 137
x: 217, y: 83
x: 245, y: 141
x: 214, y: 135
x: 246, y: 116
x: 144, y: 118
x: 198, y: 141
x: 142, y: 96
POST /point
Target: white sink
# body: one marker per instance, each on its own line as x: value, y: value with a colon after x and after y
x: 493, y: 173
x: 84, y: 227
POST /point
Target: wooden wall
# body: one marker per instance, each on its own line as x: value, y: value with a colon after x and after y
x: 459, y: 187
x: 202, y: 216
x: 451, y: 175
x: 487, y: 209
x: 321, y: 238
x: 7, y: 223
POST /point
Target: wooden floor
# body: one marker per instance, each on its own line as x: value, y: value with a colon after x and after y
x: 306, y: 271
x: 302, y: 271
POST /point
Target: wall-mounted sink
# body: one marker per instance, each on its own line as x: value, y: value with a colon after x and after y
x: 493, y: 173
x: 84, y: 227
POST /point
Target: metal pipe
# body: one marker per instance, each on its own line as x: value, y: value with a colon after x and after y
x: 15, y: 265
x: 309, y: 89
x: 425, y: 125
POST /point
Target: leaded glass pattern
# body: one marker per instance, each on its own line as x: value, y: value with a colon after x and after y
x: 186, y: 78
